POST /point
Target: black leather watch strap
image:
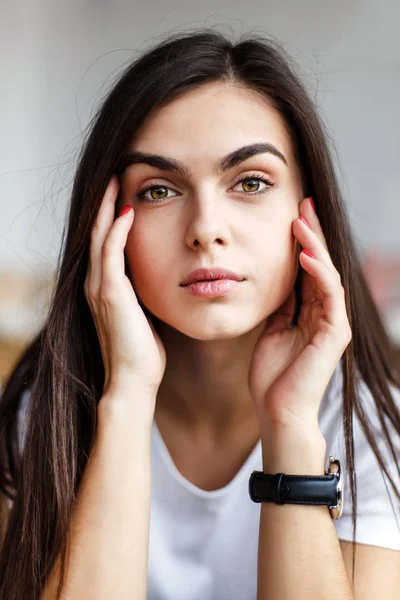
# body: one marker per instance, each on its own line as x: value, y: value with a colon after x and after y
x: 293, y: 489
x: 300, y: 489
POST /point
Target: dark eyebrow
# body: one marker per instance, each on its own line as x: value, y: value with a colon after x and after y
x: 169, y: 164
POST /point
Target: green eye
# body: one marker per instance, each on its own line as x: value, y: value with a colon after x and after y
x: 256, y: 178
x: 141, y: 196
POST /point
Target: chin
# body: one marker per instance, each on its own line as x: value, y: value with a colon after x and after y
x: 208, y: 323
x: 215, y: 328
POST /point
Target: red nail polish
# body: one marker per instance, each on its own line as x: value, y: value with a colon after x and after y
x: 312, y: 204
x: 308, y: 253
x: 305, y: 222
x: 125, y: 210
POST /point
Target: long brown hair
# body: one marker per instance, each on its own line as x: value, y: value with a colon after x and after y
x: 63, y: 366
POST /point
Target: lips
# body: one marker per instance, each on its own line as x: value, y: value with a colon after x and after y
x: 210, y: 275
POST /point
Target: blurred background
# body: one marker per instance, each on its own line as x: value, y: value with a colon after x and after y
x: 58, y: 59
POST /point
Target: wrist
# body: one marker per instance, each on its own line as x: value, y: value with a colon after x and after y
x: 294, y: 452
x: 128, y: 407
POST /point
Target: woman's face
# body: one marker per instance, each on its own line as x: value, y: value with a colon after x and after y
x: 207, y: 217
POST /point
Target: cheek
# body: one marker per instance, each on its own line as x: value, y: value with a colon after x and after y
x: 148, y: 259
x: 276, y: 253
x: 274, y: 242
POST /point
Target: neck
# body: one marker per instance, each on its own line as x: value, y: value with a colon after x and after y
x: 205, y: 385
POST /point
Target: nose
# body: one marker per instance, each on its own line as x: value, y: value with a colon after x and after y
x: 208, y: 223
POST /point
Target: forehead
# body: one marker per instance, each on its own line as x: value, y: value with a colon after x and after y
x: 216, y: 115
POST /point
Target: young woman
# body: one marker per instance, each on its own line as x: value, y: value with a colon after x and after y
x: 132, y: 424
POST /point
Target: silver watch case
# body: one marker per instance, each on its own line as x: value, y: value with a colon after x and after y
x: 335, y: 468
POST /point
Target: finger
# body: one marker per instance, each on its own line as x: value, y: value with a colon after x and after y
x: 101, y: 228
x: 306, y: 210
x: 332, y: 292
x: 113, y: 261
x: 310, y: 240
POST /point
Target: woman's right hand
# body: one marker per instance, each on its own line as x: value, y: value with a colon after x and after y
x: 133, y: 354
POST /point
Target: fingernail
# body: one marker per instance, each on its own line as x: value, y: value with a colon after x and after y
x: 312, y: 204
x: 308, y: 253
x: 125, y: 210
x: 305, y: 222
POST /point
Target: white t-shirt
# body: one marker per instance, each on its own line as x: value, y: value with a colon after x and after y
x: 203, y: 544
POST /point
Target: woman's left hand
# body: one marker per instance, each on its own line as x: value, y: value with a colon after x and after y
x: 291, y: 366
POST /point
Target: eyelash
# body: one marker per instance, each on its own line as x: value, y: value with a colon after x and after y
x: 255, y: 177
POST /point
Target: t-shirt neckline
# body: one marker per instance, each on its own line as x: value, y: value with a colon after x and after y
x: 245, y: 469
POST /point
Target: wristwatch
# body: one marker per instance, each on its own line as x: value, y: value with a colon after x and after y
x: 301, y: 489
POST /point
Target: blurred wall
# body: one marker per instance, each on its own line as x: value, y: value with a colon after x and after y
x: 58, y: 59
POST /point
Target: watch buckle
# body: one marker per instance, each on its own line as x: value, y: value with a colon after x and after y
x: 335, y: 469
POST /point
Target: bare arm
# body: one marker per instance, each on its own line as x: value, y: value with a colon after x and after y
x: 306, y: 560
x: 109, y: 534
